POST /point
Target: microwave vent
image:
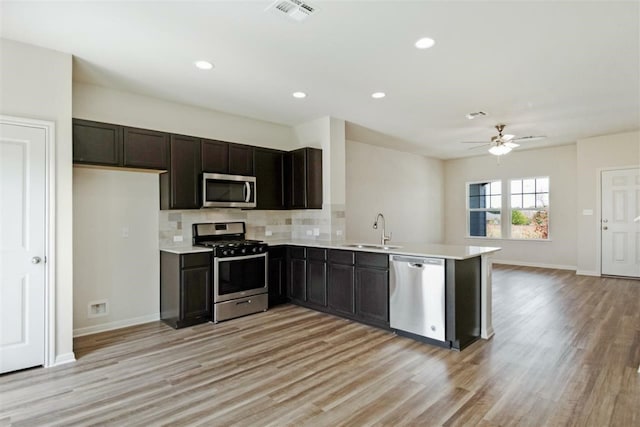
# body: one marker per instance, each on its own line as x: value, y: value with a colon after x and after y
x: 293, y: 9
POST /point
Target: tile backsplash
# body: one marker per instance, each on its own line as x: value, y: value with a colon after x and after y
x: 325, y: 224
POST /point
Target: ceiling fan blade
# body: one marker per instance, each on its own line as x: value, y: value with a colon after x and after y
x: 508, y: 137
x: 473, y: 142
x: 529, y: 138
x: 511, y: 144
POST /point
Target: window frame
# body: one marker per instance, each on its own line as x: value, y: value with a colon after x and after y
x: 469, y: 209
x: 506, y: 209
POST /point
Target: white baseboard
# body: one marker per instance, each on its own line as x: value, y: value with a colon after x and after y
x: 64, y: 358
x: 587, y: 273
x: 104, y: 327
x: 534, y: 264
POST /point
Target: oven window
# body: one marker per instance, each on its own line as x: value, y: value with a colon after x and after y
x: 241, y: 275
x: 226, y: 191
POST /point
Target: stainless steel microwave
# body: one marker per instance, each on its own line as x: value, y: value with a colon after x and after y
x: 228, y: 191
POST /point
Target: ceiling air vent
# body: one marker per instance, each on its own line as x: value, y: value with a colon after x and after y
x: 294, y: 9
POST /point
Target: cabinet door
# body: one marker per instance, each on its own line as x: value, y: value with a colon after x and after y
x: 277, y: 277
x: 314, y: 178
x: 298, y: 279
x: 195, y: 298
x: 297, y: 180
x: 317, y: 282
x: 372, y: 295
x: 341, y: 288
x: 241, y: 160
x: 215, y: 156
x: 97, y: 143
x: 269, y: 183
x: 146, y: 149
x: 184, y: 172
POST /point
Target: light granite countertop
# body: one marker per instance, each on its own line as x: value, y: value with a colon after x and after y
x: 180, y: 250
x: 458, y: 252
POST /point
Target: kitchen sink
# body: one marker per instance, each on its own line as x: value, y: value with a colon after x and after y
x: 371, y: 246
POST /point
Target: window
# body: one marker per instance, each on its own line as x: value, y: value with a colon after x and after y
x: 484, y: 209
x: 530, y: 208
x: 524, y: 216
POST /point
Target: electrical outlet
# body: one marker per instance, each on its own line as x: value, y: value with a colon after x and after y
x: 316, y: 231
x: 98, y: 308
x: 268, y: 233
x: 177, y: 238
x: 125, y: 232
x: 338, y: 232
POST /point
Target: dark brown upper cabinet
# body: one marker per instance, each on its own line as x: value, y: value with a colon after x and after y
x: 97, y: 143
x: 241, y: 160
x: 269, y: 171
x: 227, y: 158
x: 179, y: 188
x: 303, y: 172
x: 106, y: 144
x: 215, y: 156
x: 146, y: 149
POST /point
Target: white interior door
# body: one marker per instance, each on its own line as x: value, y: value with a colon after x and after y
x: 620, y: 233
x: 22, y: 246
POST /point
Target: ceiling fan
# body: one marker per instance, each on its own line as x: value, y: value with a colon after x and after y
x: 503, y: 143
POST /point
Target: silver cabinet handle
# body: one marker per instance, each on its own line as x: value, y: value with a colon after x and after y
x: 36, y: 260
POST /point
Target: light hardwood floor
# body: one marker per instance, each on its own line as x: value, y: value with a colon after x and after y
x: 566, y: 351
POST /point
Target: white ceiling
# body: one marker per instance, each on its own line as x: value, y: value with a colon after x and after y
x: 568, y: 70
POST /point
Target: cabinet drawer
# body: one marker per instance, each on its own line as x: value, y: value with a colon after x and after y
x: 297, y: 252
x: 341, y: 257
x: 196, y: 260
x: 368, y: 259
x: 317, y: 254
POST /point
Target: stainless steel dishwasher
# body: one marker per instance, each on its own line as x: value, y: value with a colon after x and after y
x: 417, y: 303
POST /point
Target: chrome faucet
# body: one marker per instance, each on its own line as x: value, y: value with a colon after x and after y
x: 383, y: 238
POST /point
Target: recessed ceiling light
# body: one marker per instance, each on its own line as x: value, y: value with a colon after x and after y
x: 203, y: 65
x: 299, y: 95
x: 378, y: 95
x: 425, y: 43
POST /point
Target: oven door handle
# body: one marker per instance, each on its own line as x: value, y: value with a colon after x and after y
x: 247, y: 192
x: 235, y: 258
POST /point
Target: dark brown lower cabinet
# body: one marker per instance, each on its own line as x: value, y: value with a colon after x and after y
x: 297, y: 274
x: 317, y: 277
x: 345, y: 283
x: 372, y: 291
x: 277, y: 275
x: 185, y: 288
x: 341, y: 282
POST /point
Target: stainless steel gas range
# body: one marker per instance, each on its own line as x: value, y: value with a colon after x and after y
x: 239, y: 269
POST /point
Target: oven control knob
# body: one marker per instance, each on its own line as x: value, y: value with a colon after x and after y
x: 255, y: 250
x: 243, y: 251
x: 225, y: 253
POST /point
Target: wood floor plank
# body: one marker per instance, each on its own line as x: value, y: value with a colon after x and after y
x: 566, y: 352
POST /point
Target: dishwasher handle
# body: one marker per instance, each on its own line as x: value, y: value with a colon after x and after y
x: 416, y: 262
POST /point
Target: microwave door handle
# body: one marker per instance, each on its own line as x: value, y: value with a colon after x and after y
x: 247, y: 192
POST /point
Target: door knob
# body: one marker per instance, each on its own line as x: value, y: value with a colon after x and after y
x: 36, y: 260
x: 605, y: 228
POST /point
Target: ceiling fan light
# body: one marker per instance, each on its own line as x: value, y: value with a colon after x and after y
x: 499, y: 150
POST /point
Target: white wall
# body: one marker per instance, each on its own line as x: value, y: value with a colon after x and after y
x: 595, y: 154
x: 36, y: 83
x: 406, y: 188
x: 98, y: 103
x: 115, y: 247
x: 559, y: 163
